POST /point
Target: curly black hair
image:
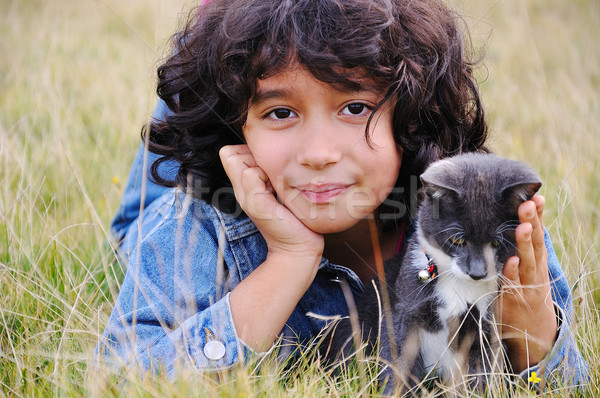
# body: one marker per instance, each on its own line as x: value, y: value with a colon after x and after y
x: 412, y: 50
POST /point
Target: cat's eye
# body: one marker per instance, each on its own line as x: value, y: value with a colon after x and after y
x: 457, y: 240
x: 495, y: 243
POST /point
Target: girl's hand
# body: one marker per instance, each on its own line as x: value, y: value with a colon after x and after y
x: 263, y: 302
x: 529, y: 324
x: 282, y: 230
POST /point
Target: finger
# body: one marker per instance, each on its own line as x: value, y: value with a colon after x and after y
x: 229, y: 150
x: 541, y: 251
x: 528, y: 213
x: 511, y: 272
x: 509, y: 290
x: 540, y: 203
x: 235, y: 164
x: 270, y: 187
x: 235, y: 161
x: 232, y: 155
x: 254, y: 178
x: 527, y: 263
x: 259, y: 201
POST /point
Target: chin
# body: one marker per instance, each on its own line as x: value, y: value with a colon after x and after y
x: 330, y: 219
x: 330, y: 226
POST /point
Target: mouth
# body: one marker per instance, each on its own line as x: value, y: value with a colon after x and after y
x: 322, y: 193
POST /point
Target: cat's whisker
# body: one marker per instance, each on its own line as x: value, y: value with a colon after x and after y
x: 506, y: 282
x: 447, y: 326
x: 507, y: 225
x: 449, y: 279
x: 495, y: 296
x: 510, y: 288
x: 503, y: 242
x: 451, y: 227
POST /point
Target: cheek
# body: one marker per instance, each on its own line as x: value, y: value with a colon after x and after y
x: 268, y: 153
x: 381, y: 159
x: 394, y: 166
x: 386, y: 156
x: 270, y: 165
x: 273, y: 161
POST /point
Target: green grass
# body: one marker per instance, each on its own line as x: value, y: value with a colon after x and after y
x: 76, y: 84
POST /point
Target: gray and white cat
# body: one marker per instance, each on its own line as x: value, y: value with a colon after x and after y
x: 442, y: 292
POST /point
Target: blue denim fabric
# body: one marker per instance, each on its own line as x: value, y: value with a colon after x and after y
x: 175, y: 296
x: 185, y: 257
x: 564, y: 361
x: 129, y: 210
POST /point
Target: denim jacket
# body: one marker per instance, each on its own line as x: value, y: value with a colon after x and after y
x: 184, y: 258
x: 183, y: 262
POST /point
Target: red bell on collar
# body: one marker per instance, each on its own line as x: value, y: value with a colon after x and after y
x: 430, y: 273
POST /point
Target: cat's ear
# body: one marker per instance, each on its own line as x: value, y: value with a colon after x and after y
x: 522, y: 191
x: 521, y: 188
x: 438, y: 180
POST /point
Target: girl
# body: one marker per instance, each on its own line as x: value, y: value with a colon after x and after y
x: 289, y: 125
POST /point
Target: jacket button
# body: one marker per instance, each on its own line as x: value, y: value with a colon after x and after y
x: 214, y: 350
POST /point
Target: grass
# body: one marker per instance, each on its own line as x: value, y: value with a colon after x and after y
x: 77, y: 80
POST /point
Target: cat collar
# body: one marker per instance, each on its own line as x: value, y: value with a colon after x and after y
x: 425, y: 275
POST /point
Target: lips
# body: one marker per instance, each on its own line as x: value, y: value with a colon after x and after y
x: 322, y: 193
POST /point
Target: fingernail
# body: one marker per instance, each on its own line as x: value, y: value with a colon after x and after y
x: 530, y: 213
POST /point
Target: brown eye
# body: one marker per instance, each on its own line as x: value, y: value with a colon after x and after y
x: 495, y: 243
x: 356, y: 109
x: 282, y: 113
x: 279, y: 114
x: 457, y: 240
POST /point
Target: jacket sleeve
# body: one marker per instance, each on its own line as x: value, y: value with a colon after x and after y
x: 173, y: 308
x: 564, y: 363
x: 129, y: 209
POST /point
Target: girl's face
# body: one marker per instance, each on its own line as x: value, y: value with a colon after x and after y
x: 309, y: 138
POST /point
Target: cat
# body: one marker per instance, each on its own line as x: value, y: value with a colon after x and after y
x: 442, y: 292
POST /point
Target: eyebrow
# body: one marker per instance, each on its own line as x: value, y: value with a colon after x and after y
x: 264, y: 95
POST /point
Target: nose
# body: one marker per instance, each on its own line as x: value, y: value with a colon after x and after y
x: 320, y: 146
x: 477, y: 272
x: 477, y: 267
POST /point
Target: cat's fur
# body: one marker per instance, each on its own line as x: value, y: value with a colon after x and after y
x: 445, y: 326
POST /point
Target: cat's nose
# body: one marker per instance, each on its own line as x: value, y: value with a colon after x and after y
x: 477, y: 276
x: 477, y: 269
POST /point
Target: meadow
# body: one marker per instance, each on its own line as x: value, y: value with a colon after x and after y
x: 77, y: 83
